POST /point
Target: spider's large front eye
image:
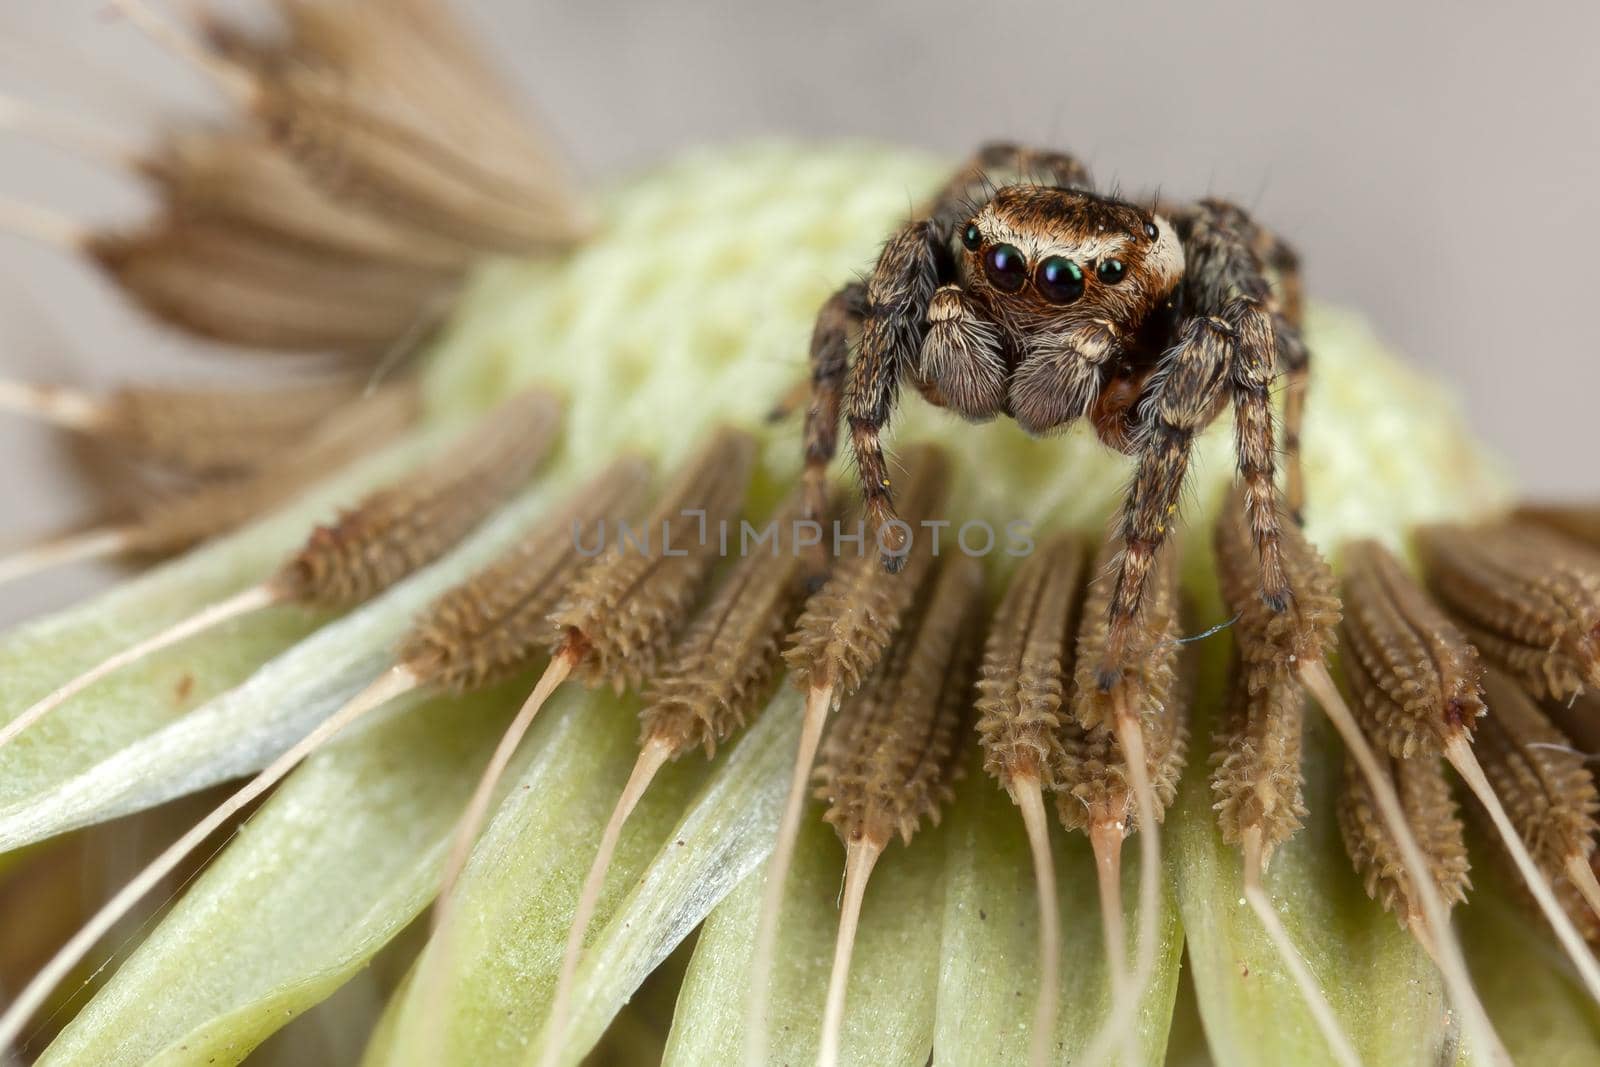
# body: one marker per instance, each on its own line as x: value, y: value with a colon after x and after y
x: 1059, y: 279
x: 1006, y: 268
x: 971, y: 237
x: 1111, y: 271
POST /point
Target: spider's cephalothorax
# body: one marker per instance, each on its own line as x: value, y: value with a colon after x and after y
x: 1023, y: 292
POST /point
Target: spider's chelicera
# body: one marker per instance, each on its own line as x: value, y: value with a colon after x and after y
x: 1038, y: 298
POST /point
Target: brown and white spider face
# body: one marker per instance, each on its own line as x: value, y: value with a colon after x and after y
x: 1040, y: 256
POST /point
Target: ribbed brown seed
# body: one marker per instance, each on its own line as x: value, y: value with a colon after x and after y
x: 1153, y: 646
x: 497, y: 623
x: 846, y: 626
x: 1577, y: 521
x: 721, y: 669
x: 1256, y: 777
x: 625, y: 608
x: 170, y: 524
x: 1272, y: 644
x: 1027, y: 660
x: 1413, y: 674
x: 217, y: 431
x: 1544, y: 784
x: 1430, y: 813
x: 1092, y: 782
x: 1091, y: 775
x: 1528, y: 598
x: 893, y: 752
x: 398, y: 529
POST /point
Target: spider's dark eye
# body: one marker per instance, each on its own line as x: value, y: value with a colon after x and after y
x: 1111, y: 271
x: 1150, y: 231
x: 1006, y: 268
x: 971, y: 237
x: 1059, y: 279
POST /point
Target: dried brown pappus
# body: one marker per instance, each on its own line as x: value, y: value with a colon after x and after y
x: 844, y: 630
x: 237, y: 179
x: 388, y: 536
x: 385, y: 106
x: 378, y: 159
x: 1527, y: 597
x: 1121, y: 753
x: 716, y: 677
x: 1547, y: 790
x: 193, y: 432
x: 246, y: 288
x: 1275, y: 647
x: 621, y: 612
x: 1027, y: 662
x: 169, y: 523
x: 890, y: 760
x: 433, y: 654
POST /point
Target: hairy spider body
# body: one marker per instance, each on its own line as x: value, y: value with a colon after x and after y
x: 1042, y: 300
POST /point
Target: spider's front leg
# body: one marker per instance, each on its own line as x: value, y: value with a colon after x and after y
x: 830, y: 359
x: 1217, y: 356
x: 894, y: 322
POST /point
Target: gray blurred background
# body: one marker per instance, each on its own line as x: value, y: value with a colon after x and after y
x: 1435, y: 162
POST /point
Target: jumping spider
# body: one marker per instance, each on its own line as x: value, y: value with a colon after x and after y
x: 1045, y: 301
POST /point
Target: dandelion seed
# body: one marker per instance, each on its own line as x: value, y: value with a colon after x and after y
x: 1431, y: 815
x: 842, y: 633
x: 1295, y: 642
x: 1418, y: 676
x: 717, y: 676
x: 889, y: 763
x: 171, y: 525
x: 430, y: 655
x: 621, y: 612
x: 386, y: 537
x: 1546, y: 791
x: 1258, y: 785
x: 1027, y: 659
x: 1529, y: 599
x: 199, y: 432
x: 1122, y: 753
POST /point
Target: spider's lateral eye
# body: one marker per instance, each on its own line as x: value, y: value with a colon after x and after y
x: 1150, y: 231
x: 971, y: 238
x: 1111, y: 271
x: 1059, y: 280
x: 1006, y: 267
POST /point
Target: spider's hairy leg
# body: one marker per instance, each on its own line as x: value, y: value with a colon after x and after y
x: 830, y: 359
x: 898, y: 293
x: 1294, y: 360
x: 1228, y: 283
x: 961, y: 366
x: 1186, y: 395
x: 1253, y: 372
